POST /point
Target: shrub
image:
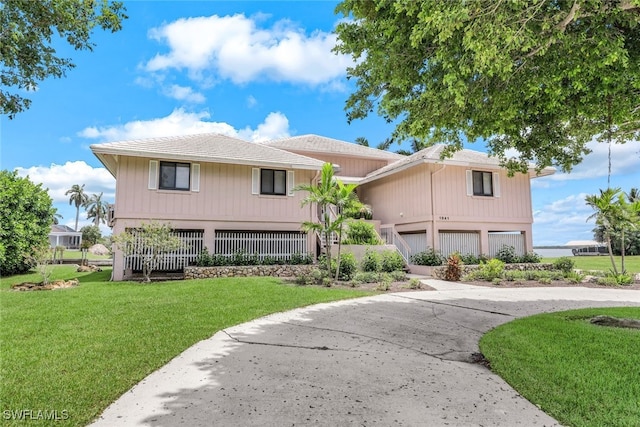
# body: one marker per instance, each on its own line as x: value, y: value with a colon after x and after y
x: 385, y: 283
x: 391, y: 261
x: 204, y: 259
x: 27, y: 214
x: 361, y: 233
x: 471, y: 259
x: 299, y: 259
x: 219, y: 260
x: 398, y: 275
x: 574, y: 277
x: 492, y: 269
x: 429, y: 257
x: 564, y: 264
x: 348, y: 266
x: 507, y: 254
x: 620, y: 279
x: 371, y: 261
x: 414, y: 284
x: 366, y: 277
x: 530, y: 258
x: 454, y: 268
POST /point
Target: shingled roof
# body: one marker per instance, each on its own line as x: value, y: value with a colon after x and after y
x: 210, y: 147
x: 320, y: 144
x: 468, y: 158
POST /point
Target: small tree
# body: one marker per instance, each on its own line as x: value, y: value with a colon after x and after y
x: 150, y: 242
x: 40, y: 259
x: 91, y: 234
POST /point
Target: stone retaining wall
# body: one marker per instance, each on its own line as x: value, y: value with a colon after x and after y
x: 247, y: 271
x: 438, y: 272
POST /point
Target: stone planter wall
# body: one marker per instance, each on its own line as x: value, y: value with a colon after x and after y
x: 438, y: 272
x: 247, y: 271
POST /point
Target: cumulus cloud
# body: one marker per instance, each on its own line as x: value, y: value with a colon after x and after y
x: 235, y: 48
x: 184, y: 93
x: 59, y: 178
x: 181, y: 122
x: 563, y: 220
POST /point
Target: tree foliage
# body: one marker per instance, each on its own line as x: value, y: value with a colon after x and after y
x: 150, y: 242
x: 537, y: 76
x: 96, y: 209
x: 78, y: 198
x: 26, y: 215
x: 91, y: 234
x: 28, y: 35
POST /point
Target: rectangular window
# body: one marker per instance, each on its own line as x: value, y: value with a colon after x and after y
x: 174, y: 176
x: 273, y: 182
x: 482, y: 183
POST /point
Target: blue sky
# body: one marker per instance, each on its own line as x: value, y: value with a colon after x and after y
x: 253, y: 70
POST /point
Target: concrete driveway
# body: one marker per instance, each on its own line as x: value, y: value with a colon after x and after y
x: 396, y: 359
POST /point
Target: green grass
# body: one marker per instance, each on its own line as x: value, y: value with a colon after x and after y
x: 79, y: 349
x: 579, y: 373
x: 603, y: 263
x: 76, y: 254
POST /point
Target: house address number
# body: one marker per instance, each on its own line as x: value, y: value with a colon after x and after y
x: 444, y: 218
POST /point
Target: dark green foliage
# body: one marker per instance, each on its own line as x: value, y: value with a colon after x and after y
x: 241, y: 258
x: 391, y: 261
x: 429, y: 257
x: 453, y: 272
x: 507, y: 254
x: 471, y: 259
x: 91, y: 234
x: 530, y: 258
x: 371, y: 261
x: 361, y: 233
x: 27, y: 52
x: 26, y: 215
x: 564, y: 264
x: 542, y: 77
x: 204, y: 259
x: 348, y: 266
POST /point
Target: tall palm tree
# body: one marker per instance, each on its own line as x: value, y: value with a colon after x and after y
x: 77, y: 197
x: 384, y: 145
x: 96, y: 209
x: 322, y: 195
x: 607, y: 215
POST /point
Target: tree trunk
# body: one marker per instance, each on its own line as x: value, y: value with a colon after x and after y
x: 339, y: 250
x: 77, y: 216
x: 622, y: 252
x: 613, y: 261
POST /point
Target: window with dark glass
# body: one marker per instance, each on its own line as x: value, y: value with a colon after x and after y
x: 273, y: 182
x: 174, y: 176
x: 482, y: 183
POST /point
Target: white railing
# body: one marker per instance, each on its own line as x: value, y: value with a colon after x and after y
x: 192, y: 245
x: 498, y: 240
x: 263, y: 244
x: 390, y: 236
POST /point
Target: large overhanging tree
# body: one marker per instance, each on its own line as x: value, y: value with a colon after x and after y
x: 543, y: 77
x: 28, y: 31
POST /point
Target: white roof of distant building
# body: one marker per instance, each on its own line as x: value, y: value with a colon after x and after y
x: 320, y: 144
x: 209, y: 147
x: 581, y: 243
x: 465, y: 157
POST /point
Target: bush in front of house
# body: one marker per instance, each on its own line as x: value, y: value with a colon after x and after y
x: 471, y: 259
x: 242, y: 258
x: 454, y: 268
x: 391, y: 261
x: 429, y: 257
x: 371, y: 261
x: 361, y: 233
x: 564, y: 264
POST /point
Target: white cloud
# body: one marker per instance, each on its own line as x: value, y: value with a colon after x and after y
x: 251, y: 101
x: 234, y: 48
x: 563, y: 220
x: 180, y: 122
x: 625, y: 160
x: 184, y: 93
x: 59, y: 178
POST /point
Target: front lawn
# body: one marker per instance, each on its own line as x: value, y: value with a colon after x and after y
x: 602, y: 262
x: 579, y: 373
x: 79, y: 349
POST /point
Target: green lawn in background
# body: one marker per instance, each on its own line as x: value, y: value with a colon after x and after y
x: 79, y: 349
x: 579, y: 373
x: 602, y: 263
x: 77, y: 254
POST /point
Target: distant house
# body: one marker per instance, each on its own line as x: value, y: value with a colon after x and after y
x: 226, y: 195
x: 62, y: 235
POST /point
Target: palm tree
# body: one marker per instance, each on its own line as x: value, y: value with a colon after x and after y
x: 96, y: 209
x: 322, y: 195
x: 633, y: 195
x: 344, y: 198
x: 384, y: 145
x: 78, y: 197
